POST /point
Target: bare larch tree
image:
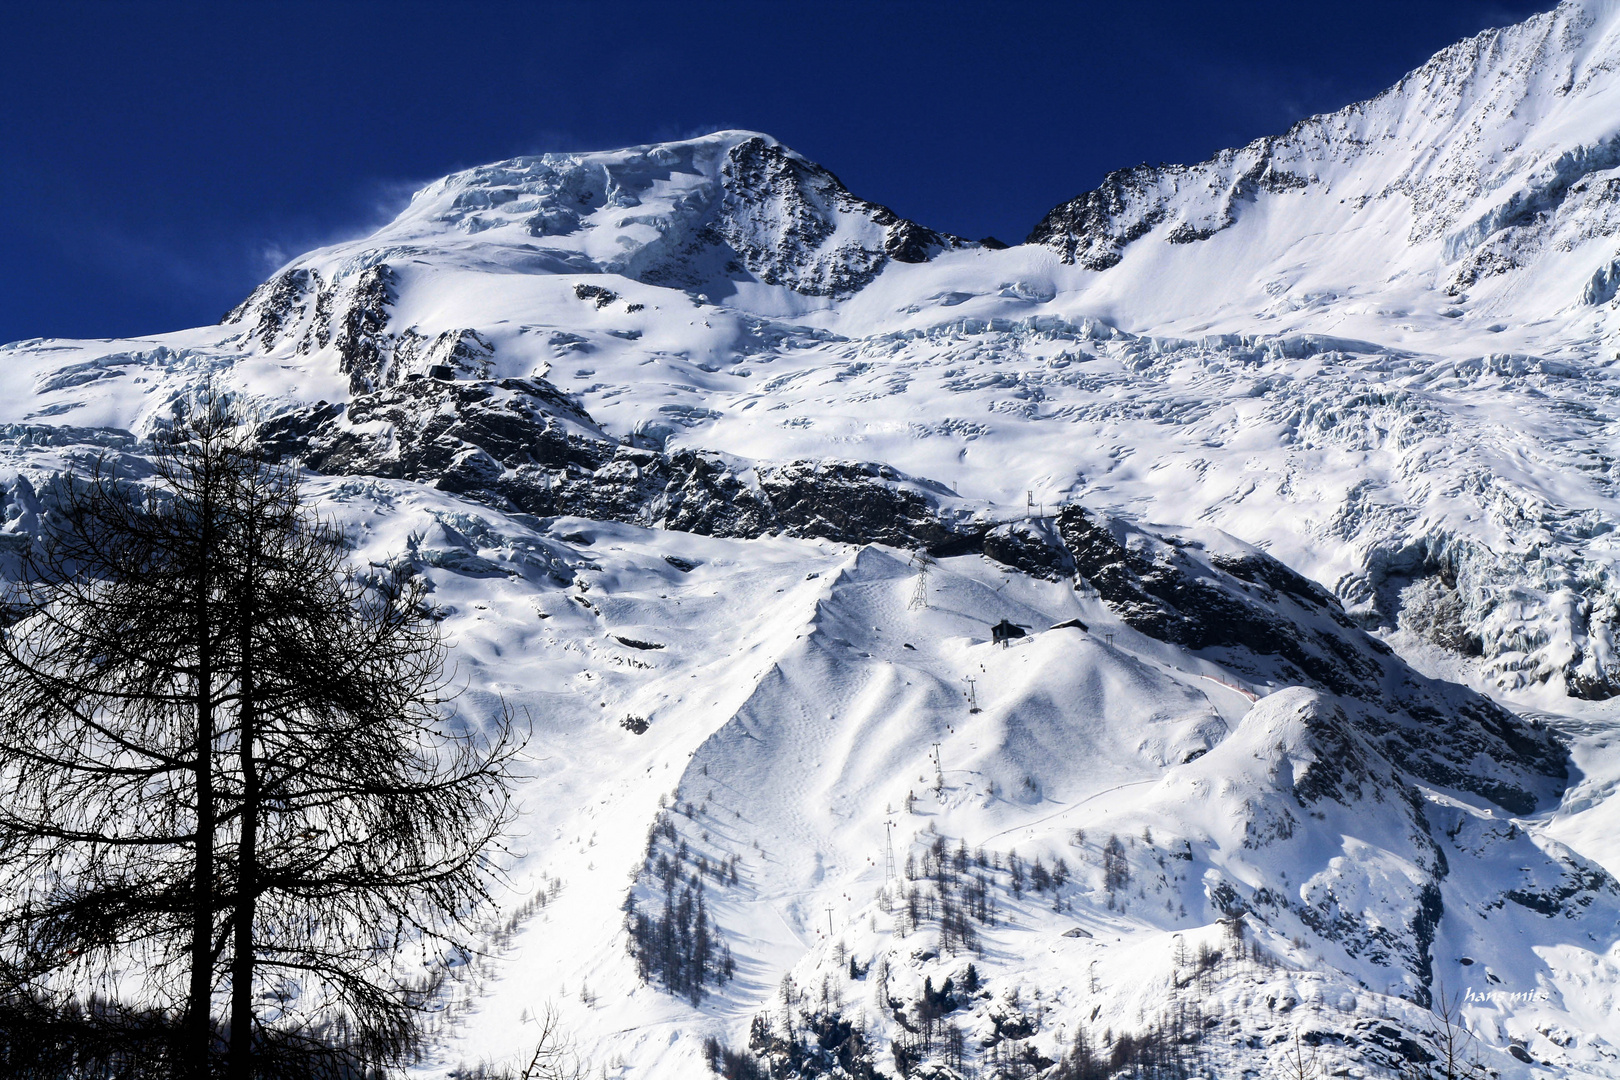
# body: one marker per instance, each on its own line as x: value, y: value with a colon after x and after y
x: 230, y: 770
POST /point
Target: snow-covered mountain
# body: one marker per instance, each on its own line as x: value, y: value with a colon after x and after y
x: 1296, y: 466
x: 1483, y: 182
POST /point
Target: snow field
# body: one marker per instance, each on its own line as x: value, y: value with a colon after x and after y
x: 786, y: 727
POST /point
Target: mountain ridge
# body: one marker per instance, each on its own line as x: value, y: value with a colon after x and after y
x: 1463, y: 107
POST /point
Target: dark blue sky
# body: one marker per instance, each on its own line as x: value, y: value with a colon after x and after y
x: 158, y: 159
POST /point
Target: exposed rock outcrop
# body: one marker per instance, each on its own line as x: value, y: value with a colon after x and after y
x: 1256, y: 615
x: 522, y: 443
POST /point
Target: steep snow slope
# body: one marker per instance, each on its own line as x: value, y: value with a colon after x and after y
x: 1485, y: 183
x: 799, y: 702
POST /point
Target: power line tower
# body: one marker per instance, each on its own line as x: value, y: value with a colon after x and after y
x: 972, y: 694
x: 919, y: 595
x: 888, y: 853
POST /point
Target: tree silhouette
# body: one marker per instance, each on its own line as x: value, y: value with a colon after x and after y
x: 228, y: 764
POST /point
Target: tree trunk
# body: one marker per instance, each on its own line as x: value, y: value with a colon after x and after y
x: 200, y: 1001
x: 241, y: 1048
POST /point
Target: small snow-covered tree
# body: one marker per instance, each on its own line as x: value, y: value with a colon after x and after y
x: 1116, y: 871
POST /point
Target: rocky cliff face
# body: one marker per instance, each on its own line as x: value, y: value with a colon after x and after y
x: 781, y: 218
x: 520, y: 444
x: 1092, y: 230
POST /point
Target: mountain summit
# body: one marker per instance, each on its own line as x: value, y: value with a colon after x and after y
x: 700, y: 214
